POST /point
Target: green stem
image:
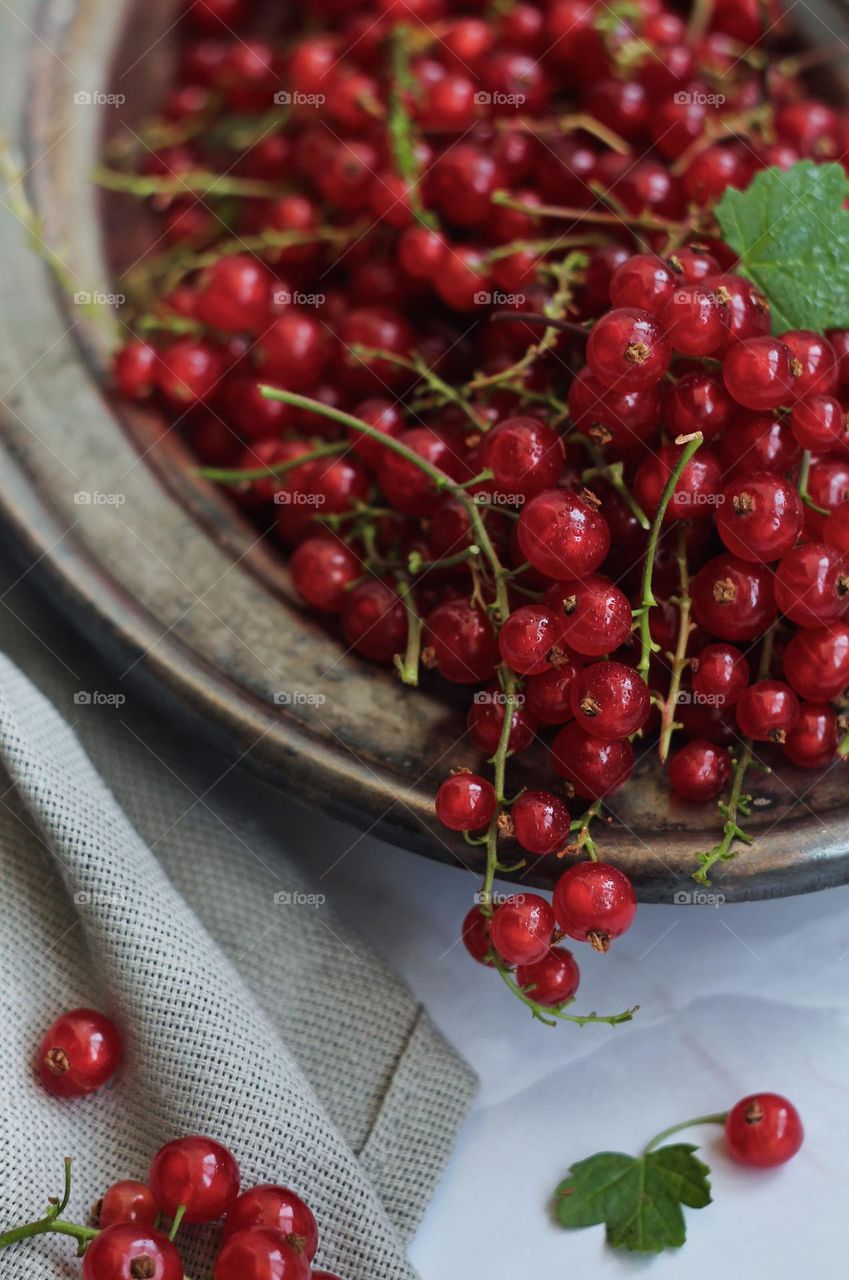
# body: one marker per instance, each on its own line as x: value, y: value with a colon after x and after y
x: 603, y: 217
x: 551, y: 1016
x: 614, y: 474
x: 415, y: 563
x: 647, y: 646
x: 199, y: 182
x: 509, y: 683
x: 225, y: 475
x: 408, y: 666
x: 679, y: 657
x: 415, y: 364
x: 178, y: 1218
x: 719, y: 1117
x: 843, y: 746
x: 804, y: 471
x: 582, y: 826
x: 51, y: 1222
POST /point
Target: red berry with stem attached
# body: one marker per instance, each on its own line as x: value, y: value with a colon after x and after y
x: 409, y: 489
x: 459, y: 642
x: 563, y: 534
x: 644, y: 281
x: 322, y: 569
x: 548, y: 695
x: 696, y: 492
x: 127, y: 1201
x: 720, y: 674
x: 597, y: 616
x: 733, y: 598
x: 551, y: 981
x: 374, y: 621
x: 767, y: 710
x: 763, y: 1130
x: 610, y: 700
x: 128, y: 1251
x: 813, y: 362
x: 758, y: 373
x: 78, y: 1053
x: 593, y: 767
x: 699, y: 771
x: 693, y: 319
x: 816, y: 661
x: 196, y: 1172
x: 528, y: 638
x: 760, y: 516
x: 486, y: 718
x: 594, y: 902
x: 691, y: 265
x: 521, y: 928
x: 812, y: 584
x: 524, y: 455
x: 465, y: 802
x: 812, y: 742
x: 475, y: 935
x: 820, y: 423
x: 278, y: 1207
x: 698, y: 402
x: 261, y: 1253
x: 628, y: 349
x: 541, y: 822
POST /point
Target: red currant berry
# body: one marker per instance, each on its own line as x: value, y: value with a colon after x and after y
x: 475, y: 934
x: 198, y: 1173
x: 548, y: 696
x: 720, y: 675
x: 713, y: 171
x: 733, y: 599
x: 696, y: 493
x: 541, y: 822
x: 766, y: 711
x: 486, y: 718
x: 377, y: 329
x: 692, y: 265
x: 644, y: 281
x: 551, y: 981
x: 763, y: 1130
x: 610, y: 700
x: 610, y: 416
x: 813, y: 362
x: 521, y: 928
x: 374, y: 621
x: 459, y: 642
x: 465, y: 802
x: 322, y: 569
x: 235, y: 295
x: 127, y: 1201
x: 699, y: 771
x: 421, y: 252
x: 758, y: 442
x: 812, y: 584
x: 758, y: 373
x: 528, y: 637
x: 463, y: 277
x: 189, y: 371
x: 597, y: 616
x: 760, y: 516
x: 820, y: 423
x: 524, y: 455
x: 693, y: 318
x: 593, y: 767
x: 78, y: 1053
x: 594, y: 902
x: 839, y: 339
x: 135, y: 369
x: 128, y: 1251
x: 295, y: 350
x: 261, y: 1253
x: 563, y: 535
x: 407, y: 488
x: 812, y: 742
x: 698, y: 402
x: 628, y: 349
x: 746, y: 309
x: 835, y: 529
x: 816, y: 661
x: 278, y: 1207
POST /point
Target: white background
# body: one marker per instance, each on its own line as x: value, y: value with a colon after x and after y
x: 734, y: 999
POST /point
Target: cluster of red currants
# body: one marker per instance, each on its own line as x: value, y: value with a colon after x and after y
x: 584, y: 475
x: 268, y: 1233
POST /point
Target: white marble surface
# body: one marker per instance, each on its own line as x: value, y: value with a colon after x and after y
x: 733, y: 999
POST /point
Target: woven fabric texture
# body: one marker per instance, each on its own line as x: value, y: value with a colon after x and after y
x: 250, y: 1011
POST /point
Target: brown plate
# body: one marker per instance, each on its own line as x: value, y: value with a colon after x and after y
x: 172, y: 584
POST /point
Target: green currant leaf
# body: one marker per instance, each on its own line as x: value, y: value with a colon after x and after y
x: 791, y: 233
x: 638, y: 1198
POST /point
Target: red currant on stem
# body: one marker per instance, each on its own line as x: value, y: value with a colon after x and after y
x: 763, y: 1129
x: 595, y: 903
x: 196, y: 1178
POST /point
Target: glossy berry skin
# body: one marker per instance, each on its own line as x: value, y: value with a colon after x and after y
x: 763, y: 1130
x: 486, y: 718
x: 563, y: 535
x: 528, y: 637
x: 189, y: 371
x: 767, y: 711
x: 819, y: 423
x: 812, y: 584
x: 475, y: 935
x: 374, y: 621
x: 552, y: 981
x: 78, y: 1053
x: 596, y: 615
x: 812, y: 742
x: 609, y: 416
x: 816, y: 661
x: 322, y: 569
x: 459, y: 642
x: 813, y: 362
x: 696, y: 493
x: 746, y: 309
x: 757, y: 442
x: 295, y: 350
x: 127, y: 1201
x: 235, y: 295
x: 643, y: 282
x: 720, y: 674
x: 733, y: 598
x: 699, y: 771
x: 698, y: 402
x: 760, y: 516
x: 261, y: 1253
x: 197, y: 1172
x: 127, y: 1251
x: 521, y: 928
x: 758, y: 374
x: 465, y: 802
x: 594, y: 902
x: 627, y: 349
x: 593, y: 767
x: 693, y: 319
x: 541, y: 822
x: 835, y: 529
x: 524, y: 455
x: 610, y: 700
x: 134, y: 369
x: 548, y: 695
x: 278, y: 1207
x: 405, y: 486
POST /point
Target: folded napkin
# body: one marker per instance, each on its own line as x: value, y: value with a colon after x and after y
x: 136, y: 878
